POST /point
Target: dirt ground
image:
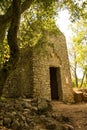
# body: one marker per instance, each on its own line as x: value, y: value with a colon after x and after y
x: 74, y: 114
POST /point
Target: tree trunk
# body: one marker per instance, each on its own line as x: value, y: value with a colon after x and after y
x: 6, y: 18
x: 12, y: 33
x: 12, y: 42
x: 76, y: 78
x: 86, y: 78
x: 11, y: 16
x: 82, y: 79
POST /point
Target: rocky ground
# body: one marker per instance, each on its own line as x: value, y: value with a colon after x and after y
x: 24, y: 114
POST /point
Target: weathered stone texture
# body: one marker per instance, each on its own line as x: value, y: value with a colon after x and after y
x: 20, y: 81
x: 32, y: 75
x: 52, y: 56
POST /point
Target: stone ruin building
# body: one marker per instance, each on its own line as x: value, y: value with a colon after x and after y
x: 43, y: 72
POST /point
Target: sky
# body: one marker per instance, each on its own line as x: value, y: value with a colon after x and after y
x: 63, y: 23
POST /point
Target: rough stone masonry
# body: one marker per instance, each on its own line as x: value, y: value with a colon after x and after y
x: 43, y: 72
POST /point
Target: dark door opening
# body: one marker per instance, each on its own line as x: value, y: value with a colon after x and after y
x: 55, y: 83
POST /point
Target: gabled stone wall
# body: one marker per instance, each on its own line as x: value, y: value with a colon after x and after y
x: 31, y: 78
x: 52, y: 56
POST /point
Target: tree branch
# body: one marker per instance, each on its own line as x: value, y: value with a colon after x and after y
x: 26, y: 5
x: 7, y: 17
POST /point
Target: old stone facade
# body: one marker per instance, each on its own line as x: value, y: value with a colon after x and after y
x: 42, y: 72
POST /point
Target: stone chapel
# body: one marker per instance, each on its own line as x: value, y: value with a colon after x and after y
x: 43, y: 71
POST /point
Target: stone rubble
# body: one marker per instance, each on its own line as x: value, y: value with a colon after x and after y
x: 23, y: 114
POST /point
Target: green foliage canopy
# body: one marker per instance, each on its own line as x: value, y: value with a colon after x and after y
x: 37, y: 15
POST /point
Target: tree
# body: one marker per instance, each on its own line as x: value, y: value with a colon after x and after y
x: 12, y: 40
x: 79, y: 41
x: 6, y: 10
x: 10, y: 21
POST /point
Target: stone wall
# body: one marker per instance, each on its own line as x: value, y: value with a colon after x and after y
x: 20, y: 81
x: 52, y: 56
x: 31, y: 78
